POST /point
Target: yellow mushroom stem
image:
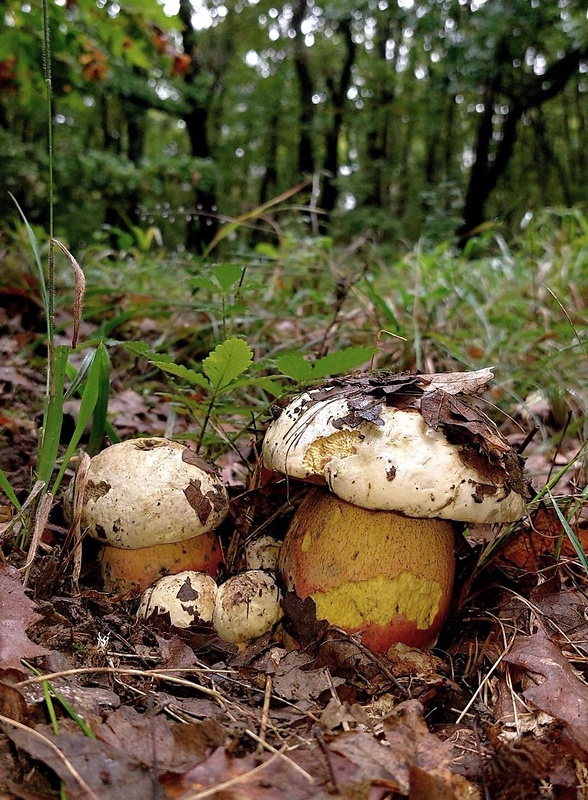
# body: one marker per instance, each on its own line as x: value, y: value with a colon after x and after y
x: 123, y: 570
x: 379, y: 573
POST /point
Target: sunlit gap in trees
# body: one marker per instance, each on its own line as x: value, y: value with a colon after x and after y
x: 203, y: 17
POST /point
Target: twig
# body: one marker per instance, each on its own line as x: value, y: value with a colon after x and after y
x: 281, y: 754
x: 318, y: 735
x: 484, y: 682
x: 163, y: 676
x: 41, y: 518
x: 265, y: 712
x: 219, y: 787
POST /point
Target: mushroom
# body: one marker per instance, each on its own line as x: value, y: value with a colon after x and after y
x: 188, y: 597
x: 123, y: 570
x: 155, y: 504
x: 406, y: 453
x: 247, y: 606
x: 262, y: 553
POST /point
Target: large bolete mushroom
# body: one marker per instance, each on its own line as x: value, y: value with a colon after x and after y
x: 155, y: 504
x: 402, y: 454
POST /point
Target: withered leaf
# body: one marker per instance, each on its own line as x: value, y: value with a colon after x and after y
x: 440, y: 409
x: 558, y: 691
x: 362, y: 409
x: 199, y: 502
x: 190, y: 457
x: 17, y: 613
x: 156, y: 741
x: 460, y: 382
x: 108, y: 771
x: 303, y: 775
x: 293, y: 682
x: 301, y: 621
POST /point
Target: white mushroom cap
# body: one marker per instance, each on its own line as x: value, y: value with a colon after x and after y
x: 401, y: 465
x: 247, y: 606
x: 144, y: 492
x: 187, y: 597
x: 262, y: 553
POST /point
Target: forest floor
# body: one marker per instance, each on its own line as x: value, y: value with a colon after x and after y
x: 96, y: 704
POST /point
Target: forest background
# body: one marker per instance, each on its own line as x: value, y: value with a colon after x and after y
x: 256, y: 197
x: 401, y: 118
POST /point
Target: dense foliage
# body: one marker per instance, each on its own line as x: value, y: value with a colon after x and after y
x: 402, y: 117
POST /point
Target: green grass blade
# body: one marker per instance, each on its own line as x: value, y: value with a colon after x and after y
x: 37, y: 254
x: 53, y: 418
x: 570, y: 533
x: 8, y: 490
x: 99, y: 417
x: 87, y: 406
x: 232, y: 226
x: 78, y: 376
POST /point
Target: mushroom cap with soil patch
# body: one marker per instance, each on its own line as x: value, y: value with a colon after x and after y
x: 413, y: 446
x: 188, y: 597
x: 152, y: 496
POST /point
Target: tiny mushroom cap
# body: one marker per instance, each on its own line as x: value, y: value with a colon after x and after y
x: 152, y: 491
x: 187, y: 597
x: 407, y: 443
x: 262, y: 553
x: 247, y: 606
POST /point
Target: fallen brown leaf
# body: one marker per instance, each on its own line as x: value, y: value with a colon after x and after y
x: 558, y: 691
x: 17, y: 613
x: 108, y: 771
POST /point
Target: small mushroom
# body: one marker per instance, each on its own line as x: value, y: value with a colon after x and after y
x: 399, y: 455
x: 262, y: 553
x: 188, y: 597
x: 247, y: 606
x: 155, y: 505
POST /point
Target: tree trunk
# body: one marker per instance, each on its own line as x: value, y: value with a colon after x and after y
x: 490, y: 164
x: 337, y: 89
x: 306, y: 159
x: 203, y: 224
x: 270, y: 176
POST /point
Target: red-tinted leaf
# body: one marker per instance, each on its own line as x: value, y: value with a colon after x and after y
x: 16, y: 615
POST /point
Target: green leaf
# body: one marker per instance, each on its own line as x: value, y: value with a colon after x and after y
x: 137, y: 348
x: 342, y: 361
x: 294, y: 366
x: 226, y: 362
x: 180, y: 371
x: 200, y: 282
x: 227, y: 275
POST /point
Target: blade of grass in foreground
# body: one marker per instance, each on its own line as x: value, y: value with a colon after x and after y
x: 570, y: 533
x: 8, y: 490
x: 93, y: 390
x: 53, y: 418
